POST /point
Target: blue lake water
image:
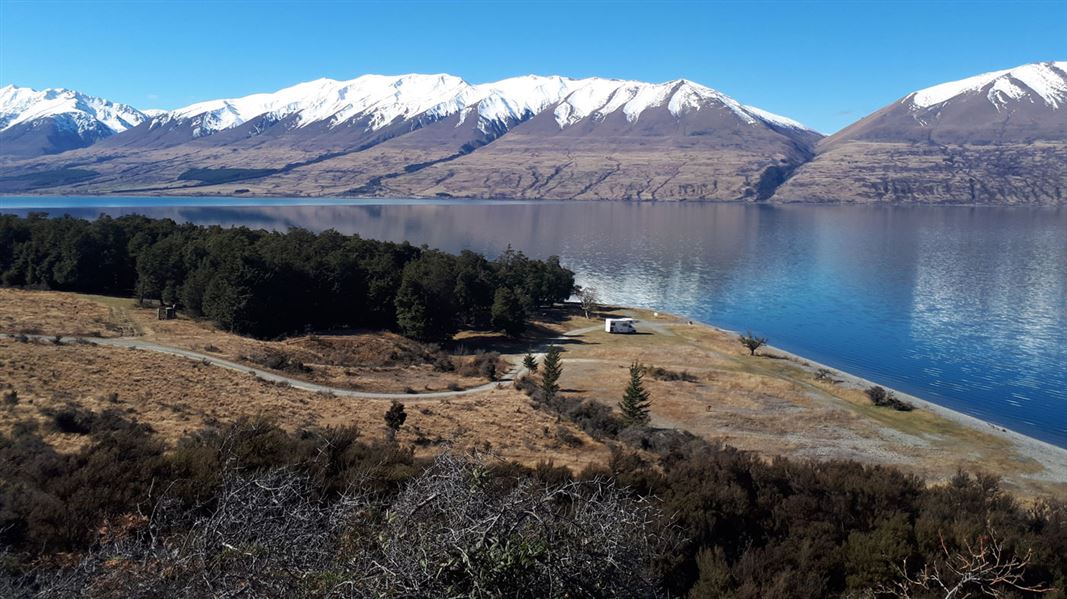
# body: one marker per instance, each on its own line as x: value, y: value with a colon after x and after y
x: 966, y: 307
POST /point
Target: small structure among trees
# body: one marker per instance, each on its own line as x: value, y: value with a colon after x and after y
x: 636, y: 399
x: 752, y: 342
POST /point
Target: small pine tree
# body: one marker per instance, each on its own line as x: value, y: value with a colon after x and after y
x: 635, y: 400
x: 550, y: 373
x: 529, y: 362
x: 394, y: 418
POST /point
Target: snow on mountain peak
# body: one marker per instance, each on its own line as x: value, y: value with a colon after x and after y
x: 85, y: 113
x: 379, y: 100
x: 1044, y: 82
x: 601, y: 97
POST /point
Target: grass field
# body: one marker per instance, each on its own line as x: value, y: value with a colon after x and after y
x: 707, y: 384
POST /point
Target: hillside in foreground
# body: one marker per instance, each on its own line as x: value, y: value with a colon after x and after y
x: 701, y: 379
x: 120, y: 462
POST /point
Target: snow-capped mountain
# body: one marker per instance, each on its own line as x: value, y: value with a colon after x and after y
x: 1022, y: 104
x: 34, y: 122
x: 378, y: 101
x: 601, y: 97
x: 1039, y: 83
x: 998, y: 138
x: 440, y: 135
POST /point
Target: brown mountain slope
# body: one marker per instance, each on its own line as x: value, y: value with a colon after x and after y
x: 595, y: 138
x: 998, y: 138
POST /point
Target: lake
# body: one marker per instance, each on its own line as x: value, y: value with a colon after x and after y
x: 965, y: 307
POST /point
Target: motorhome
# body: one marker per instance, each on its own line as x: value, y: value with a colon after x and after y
x: 619, y: 325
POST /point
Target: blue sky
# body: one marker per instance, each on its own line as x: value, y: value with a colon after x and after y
x: 825, y: 64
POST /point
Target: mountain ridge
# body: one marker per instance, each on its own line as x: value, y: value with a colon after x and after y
x: 35, y: 122
x: 997, y: 137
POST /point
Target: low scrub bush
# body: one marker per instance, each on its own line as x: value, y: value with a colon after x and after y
x: 276, y: 360
x: 482, y: 364
x: 595, y: 418
x: 887, y: 399
x: 664, y: 374
x: 71, y: 419
x: 254, y: 510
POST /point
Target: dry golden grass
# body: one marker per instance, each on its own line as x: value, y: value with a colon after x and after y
x: 177, y: 396
x: 772, y: 404
x: 376, y: 362
x: 50, y: 313
x: 769, y: 404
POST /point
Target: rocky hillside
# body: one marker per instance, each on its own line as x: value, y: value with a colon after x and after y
x: 996, y: 138
x: 437, y: 135
x: 34, y: 123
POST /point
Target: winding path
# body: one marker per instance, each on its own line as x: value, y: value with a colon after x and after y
x: 142, y: 344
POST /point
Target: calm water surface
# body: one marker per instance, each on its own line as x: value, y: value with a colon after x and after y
x: 966, y: 307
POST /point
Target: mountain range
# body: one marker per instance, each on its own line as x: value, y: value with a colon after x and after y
x: 997, y: 138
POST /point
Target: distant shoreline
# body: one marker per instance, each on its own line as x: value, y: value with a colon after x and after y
x: 274, y: 200
x: 1052, y: 456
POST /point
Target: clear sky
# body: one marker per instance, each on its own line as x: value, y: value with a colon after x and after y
x: 824, y: 64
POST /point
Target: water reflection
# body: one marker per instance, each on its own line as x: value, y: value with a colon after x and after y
x: 967, y: 307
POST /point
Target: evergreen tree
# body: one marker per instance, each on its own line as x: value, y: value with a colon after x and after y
x: 395, y: 418
x: 424, y: 306
x: 551, y: 370
x: 508, y: 312
x: 529, y: 362
x: 635, y: 400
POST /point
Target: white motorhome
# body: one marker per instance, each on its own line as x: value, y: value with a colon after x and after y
x: 619, y: 325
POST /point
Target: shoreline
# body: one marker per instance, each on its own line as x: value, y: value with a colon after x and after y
x: 1051, y: 456
x: 459, y: 200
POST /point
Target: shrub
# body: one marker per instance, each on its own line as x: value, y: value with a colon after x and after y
x: 751, y: 342
x: 487, y: 365
x: 566, y: 437
x: 395, y: 417
x: 663, y: 374
x: 276, y: 360
x: 882, y: 398
x: 442, y: 362
x: 596, y: 419
x: 73, y: 420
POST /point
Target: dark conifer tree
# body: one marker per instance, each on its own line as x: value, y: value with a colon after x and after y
x: 395, y: 417
x: 551, y: 370
x: 635, y: 400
